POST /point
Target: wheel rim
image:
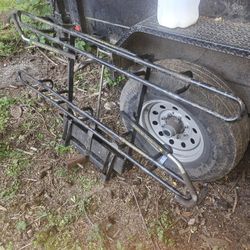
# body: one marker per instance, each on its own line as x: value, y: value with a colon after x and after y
x: 172, y: 125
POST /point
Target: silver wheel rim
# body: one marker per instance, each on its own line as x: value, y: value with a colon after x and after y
x: 174, y: 126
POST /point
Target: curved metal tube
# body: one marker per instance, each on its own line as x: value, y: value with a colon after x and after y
x: 130, y: 56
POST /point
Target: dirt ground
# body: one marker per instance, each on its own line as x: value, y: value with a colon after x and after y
x: 45, y: 205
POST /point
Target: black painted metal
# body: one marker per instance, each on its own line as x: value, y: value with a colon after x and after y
x: 132, y: 57
x: 95, y: 134
x: 215, y: 34
x: 53, y: 97
x: 103, y: 17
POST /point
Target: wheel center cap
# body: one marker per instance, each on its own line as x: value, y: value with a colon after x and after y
x: 172, y: 126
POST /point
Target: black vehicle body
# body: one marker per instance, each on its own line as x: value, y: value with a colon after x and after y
x: 114, y: 20
x: 128, y: 32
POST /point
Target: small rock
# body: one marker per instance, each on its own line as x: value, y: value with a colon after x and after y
x: 30, y: 233
x: 222, y: 204
x: 16, y: 112
x: 109, y: 106
x: 136, y: 182
x: 3, y: 208
x: 203, y: 222
x: 191, y: 222
x: 194, y: 229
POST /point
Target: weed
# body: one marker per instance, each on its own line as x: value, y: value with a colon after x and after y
x: 9, y: 192
x: 83, y: 205
x: 111, y: 80
x: 61, y: 172
x: 5, y: 104
x: 59, y: 221
x: 21, y: 226
x: 119, y: 246
x: 139, y: 246
x: 9, y: 37
x: 62, y: 150
x: 96, y: 239
x: 6, y: 5
x: 8, y: 40
x: 82, y: 45
x: 55, y: 233
x: 52, y: 239
x: 40, y: 136
x: 86, y: 183
x: 38, y: 7
x: 160, y: 227
x: 9, y: 246
x: 17, y: 165
x: 15, y: 162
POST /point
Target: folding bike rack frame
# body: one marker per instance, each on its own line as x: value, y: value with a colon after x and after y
x: 82, y: 128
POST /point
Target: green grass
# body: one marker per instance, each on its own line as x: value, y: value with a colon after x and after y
x: 53, y: 240
x: 14, y: 163
x: 39, y: 7
x: 10, y: 192
x: 5, y: 104
x: 96, y: 239
x: 9, y: 38
x: 112, y: 81
x: 160, y: 227
x: 6, y: 5
x: 62, y: 150
x: 21, y: 226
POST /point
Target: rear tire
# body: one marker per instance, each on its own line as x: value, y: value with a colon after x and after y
x: 223, y: 143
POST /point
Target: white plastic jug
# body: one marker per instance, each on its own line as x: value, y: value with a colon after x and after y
x: 178, y: 13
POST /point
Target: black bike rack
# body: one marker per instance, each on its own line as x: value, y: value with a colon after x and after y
x: 109, y: 151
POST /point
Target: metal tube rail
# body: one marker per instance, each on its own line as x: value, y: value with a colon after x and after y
x: 186, y: 201
x: 128, y: 55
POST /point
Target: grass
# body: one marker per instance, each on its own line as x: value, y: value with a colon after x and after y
x: 62, y: 150
x: 96, y: 239
x: 56, y: 233
x: 14, y: 163
x: 159, y: 229
x: 50, y: 239
x: 5, y: 104
x: 6, y: 5
x: 39, y: 7
x: 111, y: 80
x: 21, y: 226
x: 9, y: 38
x: 10, y: 192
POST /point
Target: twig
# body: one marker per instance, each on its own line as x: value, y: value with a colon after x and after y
x: 61, y: 60
x: 235, y: 183
x: 25, y: 152
x: 28, y: 179
x: 87, y: 216
x: 26, y: 246
x: 235, y: 200
x: 143, y: 220
x: 189, y: 237
x: 49, y: 59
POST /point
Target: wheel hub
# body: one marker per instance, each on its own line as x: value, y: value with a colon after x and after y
x: 174, y: 126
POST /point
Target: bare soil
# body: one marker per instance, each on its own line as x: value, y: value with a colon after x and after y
x: 45, y: 205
